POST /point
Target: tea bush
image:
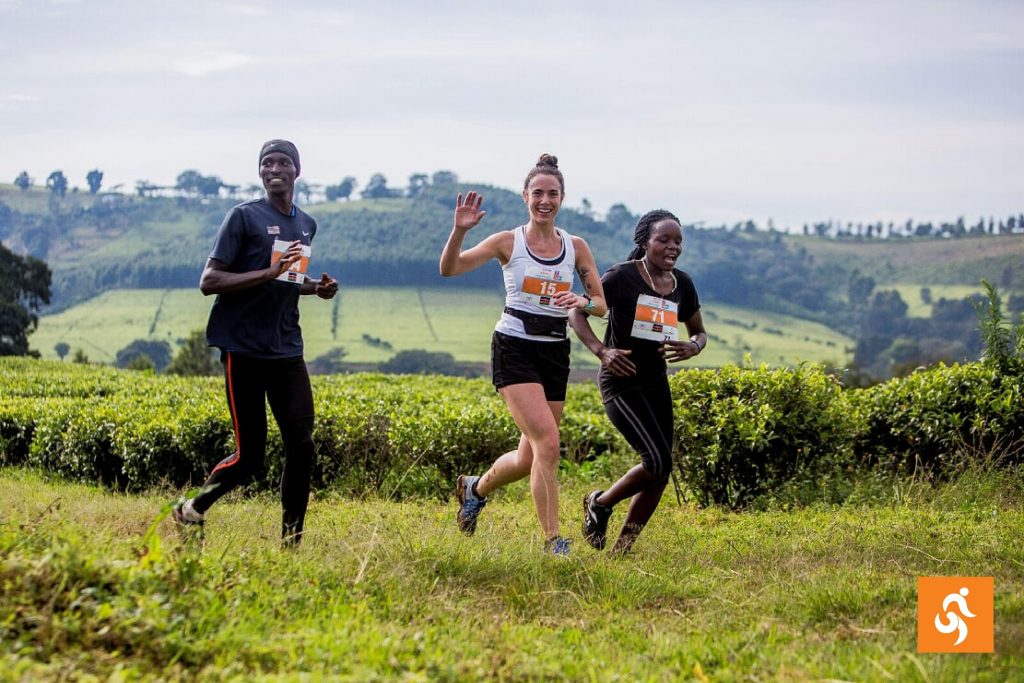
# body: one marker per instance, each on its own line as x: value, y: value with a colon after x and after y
x: 929, y: 418
x: 375, y: 434
x: 742, y: 432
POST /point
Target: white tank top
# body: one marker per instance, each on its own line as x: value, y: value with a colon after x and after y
x: 530, y: 282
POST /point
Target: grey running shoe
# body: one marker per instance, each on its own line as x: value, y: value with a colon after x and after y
x: 595, y: 520
x: 185, y: 515
x: 557, y: 546
x: 470, y: 505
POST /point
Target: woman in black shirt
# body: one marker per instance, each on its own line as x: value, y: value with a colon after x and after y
x: 647, y: 297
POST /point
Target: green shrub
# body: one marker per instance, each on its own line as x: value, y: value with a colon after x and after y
x: 743, y: 432
x: 926, y: 418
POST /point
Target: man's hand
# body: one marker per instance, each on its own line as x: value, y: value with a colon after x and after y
x: 326, y: 287
x: 290, y: 257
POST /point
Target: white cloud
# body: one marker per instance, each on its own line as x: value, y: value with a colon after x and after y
x: 793, y: 109
x: 209, y: 63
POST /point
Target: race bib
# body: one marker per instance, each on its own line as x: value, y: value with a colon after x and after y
x: 541, y: 283
x: 656, y: 319
x: 296, y: 274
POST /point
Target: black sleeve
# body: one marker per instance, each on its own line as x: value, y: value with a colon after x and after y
x: 689, y: 303
x: 614, y: 284
x: 228, y: 244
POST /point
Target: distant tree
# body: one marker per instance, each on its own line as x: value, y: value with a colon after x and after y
x: 303, y: 191
x: 421, y: 362
x: 444, y: 178
x: 377, y: 188
x: 859, y: 288
x: 144, y: 188
x: 342, y: 190
x: 619, y: 220
x: 328, y: 363
x: 23, y: 181
x: 586, y: 208
x: 24, y: 289
x: 158, y: 352
x: 926, y: 295
x: 141, y: 363
x: 61, y: 349
x: 188, y: 181
x: 1015, y: 304
x: 95, y: 179
x: 195, y: 358
x: 417, y: 183
x: 57, y: 183
x: 80, y: 357
x: 209, y: 186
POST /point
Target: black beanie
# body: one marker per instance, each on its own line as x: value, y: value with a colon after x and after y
x: 284, y: 147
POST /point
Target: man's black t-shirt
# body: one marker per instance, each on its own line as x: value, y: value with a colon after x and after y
x: 262, y: 321
x: 623, y: 284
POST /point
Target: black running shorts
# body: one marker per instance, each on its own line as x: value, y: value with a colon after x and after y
x: 523, y: 361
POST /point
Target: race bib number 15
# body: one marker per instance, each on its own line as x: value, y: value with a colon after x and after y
x: 541, y: 283
x: 656, y: 319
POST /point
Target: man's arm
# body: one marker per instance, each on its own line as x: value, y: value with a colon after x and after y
x: 217, y: 279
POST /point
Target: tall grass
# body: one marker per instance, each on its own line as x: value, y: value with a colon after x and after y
x: 391, y: 591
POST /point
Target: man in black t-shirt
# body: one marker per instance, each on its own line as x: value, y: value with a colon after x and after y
x: 257, y: 271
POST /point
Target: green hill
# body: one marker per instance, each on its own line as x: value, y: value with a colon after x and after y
x: 454, y: 321
x: 761, y: 280
x: 922, y: 262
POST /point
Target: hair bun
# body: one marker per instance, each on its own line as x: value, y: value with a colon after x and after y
x: 547, y: 160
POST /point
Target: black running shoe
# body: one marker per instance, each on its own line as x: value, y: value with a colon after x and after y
x: 595, y: 520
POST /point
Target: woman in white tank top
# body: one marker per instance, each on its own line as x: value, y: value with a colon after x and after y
x: 530, y: 346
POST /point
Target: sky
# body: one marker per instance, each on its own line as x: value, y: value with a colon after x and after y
x: 720, y: 111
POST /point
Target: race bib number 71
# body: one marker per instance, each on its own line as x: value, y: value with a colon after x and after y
x: 656, y: 319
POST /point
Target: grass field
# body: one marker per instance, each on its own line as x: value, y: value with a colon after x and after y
x: 457, y: 321
x: 382, y: 591
x: 928, y: 262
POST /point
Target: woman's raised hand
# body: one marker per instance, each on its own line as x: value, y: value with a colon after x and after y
x: 468, y: 213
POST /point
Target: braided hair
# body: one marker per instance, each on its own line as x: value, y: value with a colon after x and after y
x: 643, y: 231
x: 547, y: 164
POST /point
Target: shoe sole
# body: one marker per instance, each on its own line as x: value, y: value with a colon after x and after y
x: 596, y: 542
